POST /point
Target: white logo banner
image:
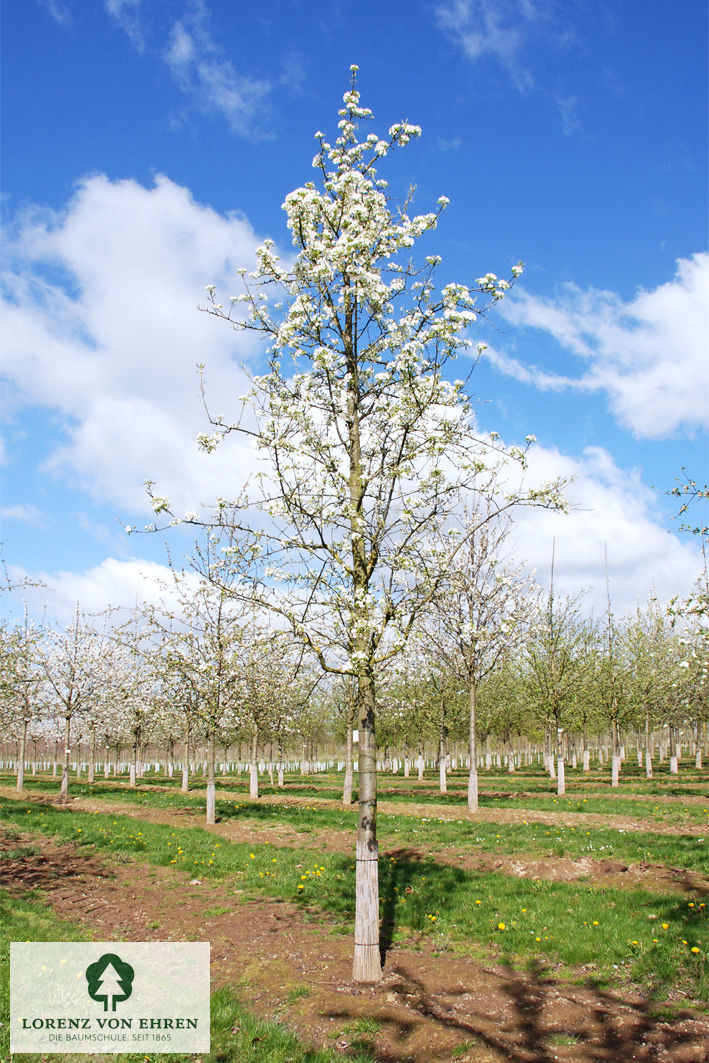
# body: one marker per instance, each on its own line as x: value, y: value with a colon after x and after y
x: 110, y: 996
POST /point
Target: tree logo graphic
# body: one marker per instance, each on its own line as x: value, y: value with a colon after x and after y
x: 110, y: 980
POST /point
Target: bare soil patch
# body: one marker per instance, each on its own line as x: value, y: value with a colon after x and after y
x: 429, y: 1005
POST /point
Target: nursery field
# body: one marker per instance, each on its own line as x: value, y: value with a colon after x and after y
x: 539, y: 928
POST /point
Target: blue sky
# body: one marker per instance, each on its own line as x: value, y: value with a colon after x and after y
x: 147, y: 148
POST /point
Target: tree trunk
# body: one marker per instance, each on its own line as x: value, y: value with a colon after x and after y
x: 281, y: 766
x: 211, y: 786
x: 615, y: 757
x: 349, y: 756
x: 21, y: 758
x: 549, y: 754
x: 253, y: 763
x: 648, y: 749
x: 92, y: 755
x: 64, y: 791
x: 367, y: 966
x: 473, y: 800
x: 134, y: 764
x: 674, y: 761
x: 442, y: 751
x: 560, y: 771
x: 186, y: 765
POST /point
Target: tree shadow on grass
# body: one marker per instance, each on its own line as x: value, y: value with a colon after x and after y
x: 405, y: 900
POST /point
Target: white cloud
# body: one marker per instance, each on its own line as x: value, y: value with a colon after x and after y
x: 60, y: 11
x: 570, y: 121
x: 22, y: 513
x: 120, y: 584
x: 449, y: 144
x: 610, y: 508
x: 127, y: 14
x: 648, y: 355
x: 101, y: 325
x: 500, y: 29
x: 208, y: 79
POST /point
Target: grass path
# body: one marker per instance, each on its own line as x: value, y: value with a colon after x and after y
x: 657, y: 936
x: 288, y: 960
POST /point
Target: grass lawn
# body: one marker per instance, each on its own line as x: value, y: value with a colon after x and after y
x: 657, y: 939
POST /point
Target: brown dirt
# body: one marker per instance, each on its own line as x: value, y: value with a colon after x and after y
x: 648, y: 876
x: 429, y: 1005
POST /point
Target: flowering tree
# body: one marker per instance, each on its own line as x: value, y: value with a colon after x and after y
x: 21, y: 682
x: 650, y: 659
x: 200, y: 639
x: 265, y: 690
x: 367, y: 445
x: 481, y: 617
x: 557, y: 659
x: 75, y: 665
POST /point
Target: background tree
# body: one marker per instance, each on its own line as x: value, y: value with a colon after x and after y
x: 201, y: 635
x: 648, y: 640
x: 480, y: 614
x: 21, y: 684
x: 75, y: 662
x: 557, y: 660
x: 612, y: 681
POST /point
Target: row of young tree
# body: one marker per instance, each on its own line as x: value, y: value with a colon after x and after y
x: 494, y: 666
x: 367, y: 551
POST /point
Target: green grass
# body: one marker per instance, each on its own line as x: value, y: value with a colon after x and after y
x: 296, y: 993
x: 236, y: 1036
x: 617, y: 932
x: 468, y: 835
x: 564, y: 1038
x: 531, y: 790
